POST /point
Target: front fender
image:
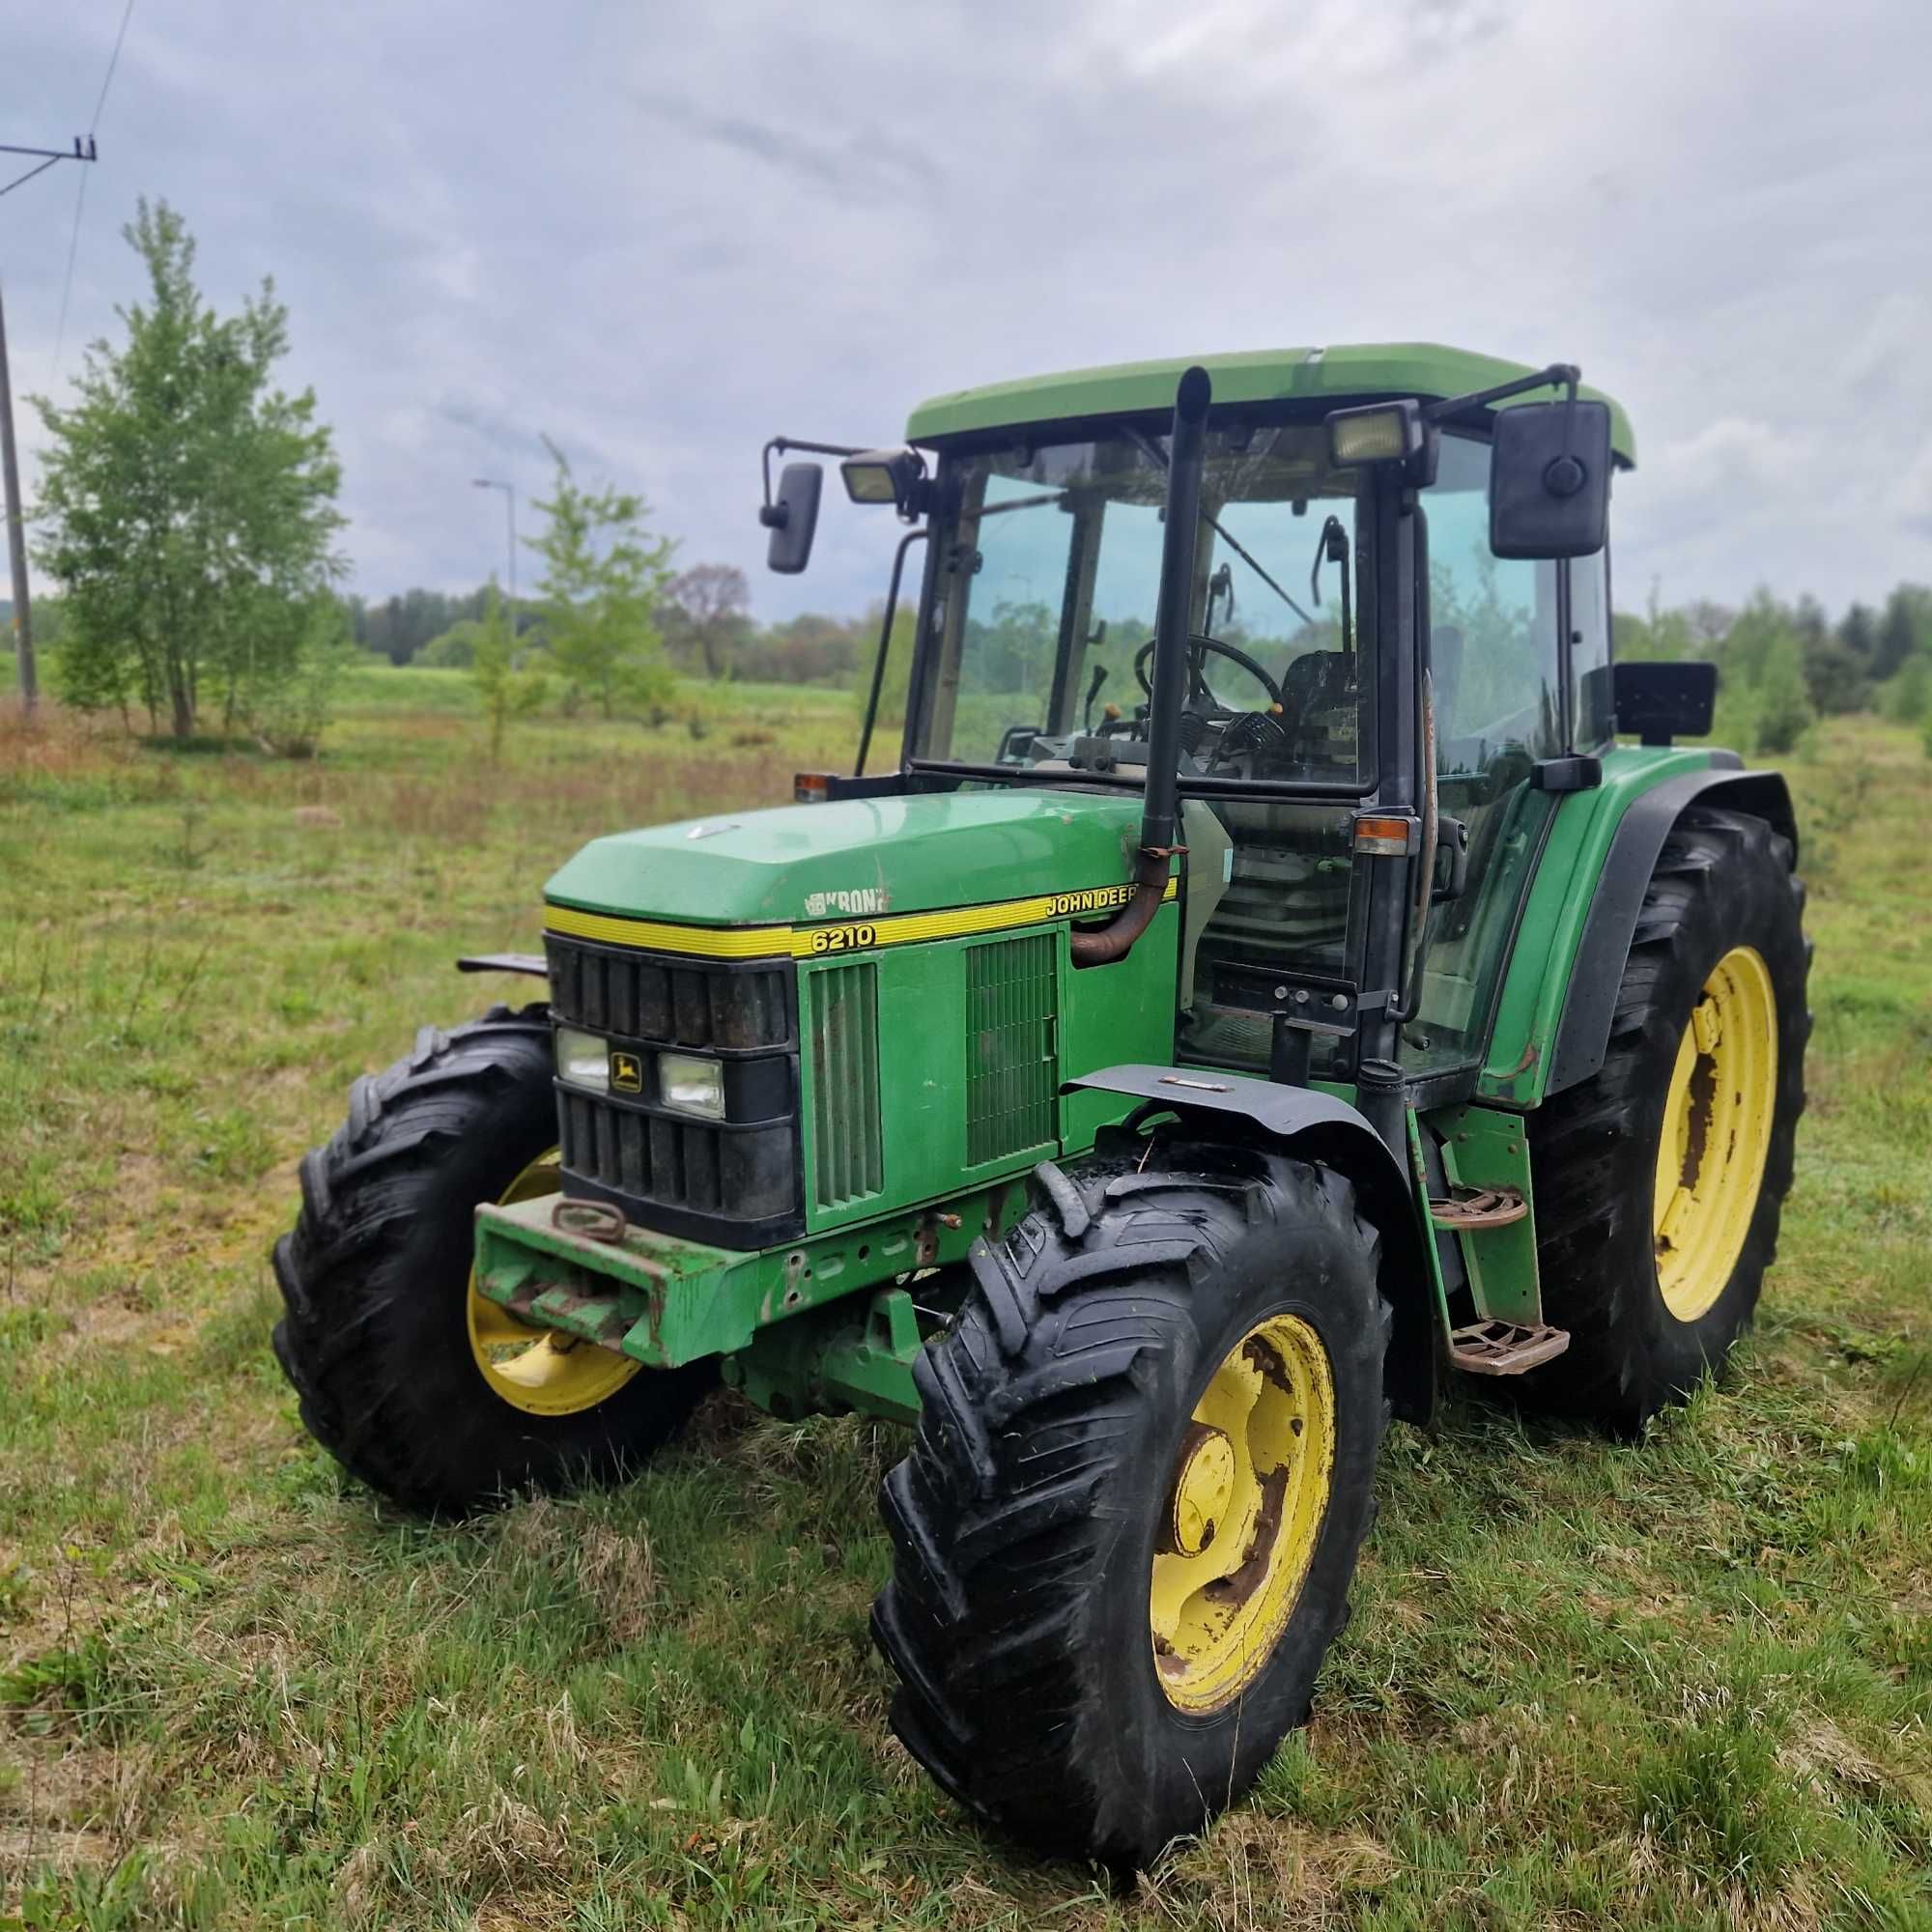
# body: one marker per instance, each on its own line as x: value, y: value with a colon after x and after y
x: 1317, y: 1126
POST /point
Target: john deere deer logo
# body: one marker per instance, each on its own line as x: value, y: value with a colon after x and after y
x: 627, y: 1073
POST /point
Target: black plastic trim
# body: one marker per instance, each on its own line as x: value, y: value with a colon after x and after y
x: 1584, y: 1033
x: 687, y: 1223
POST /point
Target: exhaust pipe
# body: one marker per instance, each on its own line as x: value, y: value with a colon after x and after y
x: 1160, y: 810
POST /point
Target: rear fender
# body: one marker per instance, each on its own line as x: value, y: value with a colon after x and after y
x: 1316, y: 1127
x: 1584, y: 1033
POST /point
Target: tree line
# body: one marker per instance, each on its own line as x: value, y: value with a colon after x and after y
x: 187, y: 515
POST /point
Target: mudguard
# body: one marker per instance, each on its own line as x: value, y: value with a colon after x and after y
x: 1317, y: 1126
x: 1584, y: 1033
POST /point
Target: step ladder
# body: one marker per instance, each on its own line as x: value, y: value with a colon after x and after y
x: 1504, y: 1347
x: 1492, y: 1346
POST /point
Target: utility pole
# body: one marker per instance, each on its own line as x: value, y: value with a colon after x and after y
x: 17, y: 538
x: 10, y: 456
x: 509, y: 491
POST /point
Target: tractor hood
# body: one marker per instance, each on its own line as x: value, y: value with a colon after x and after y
x: 858, y: 858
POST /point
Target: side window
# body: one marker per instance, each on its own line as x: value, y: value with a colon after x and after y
x: 1493, y: 626
x: 1590, y: 648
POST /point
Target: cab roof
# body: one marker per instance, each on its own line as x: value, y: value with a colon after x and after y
x: 1350, y: 372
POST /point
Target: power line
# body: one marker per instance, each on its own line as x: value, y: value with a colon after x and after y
x: 80, y: 194
x: 32, y: 172
x: 113, y: 61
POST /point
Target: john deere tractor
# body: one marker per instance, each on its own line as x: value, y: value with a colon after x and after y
x: 1265, y: 991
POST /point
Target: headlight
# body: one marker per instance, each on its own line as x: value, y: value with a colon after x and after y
x: 691, y: 1084
x: 582, y: 1060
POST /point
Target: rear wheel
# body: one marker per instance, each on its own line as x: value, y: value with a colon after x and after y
x: 414, y: 1382
x: 1660, y: 1180
x: 1125, y: 1536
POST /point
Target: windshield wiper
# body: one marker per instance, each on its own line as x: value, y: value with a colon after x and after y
x: 1148, y: 448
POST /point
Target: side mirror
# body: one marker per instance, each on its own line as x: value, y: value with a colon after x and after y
x: 1549, y: 480
x: 793, y: 518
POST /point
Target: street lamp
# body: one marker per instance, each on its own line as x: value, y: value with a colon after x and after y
x: 509, y: 491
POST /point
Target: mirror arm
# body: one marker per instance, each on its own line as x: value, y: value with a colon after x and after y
x: 773, y: 515
x: 906, y: 542
x: 1560, y: 374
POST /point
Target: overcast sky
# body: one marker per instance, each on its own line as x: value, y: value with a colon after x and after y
x: 662, y: 233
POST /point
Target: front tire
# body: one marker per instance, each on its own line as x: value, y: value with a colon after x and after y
x: 1124, y: 1537
x: 1659, y: 1182
x: 410, y: 1381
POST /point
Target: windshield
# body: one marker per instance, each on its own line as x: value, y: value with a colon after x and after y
x: 1047, y: 566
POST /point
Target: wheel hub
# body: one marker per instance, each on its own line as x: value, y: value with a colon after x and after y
x: 541, y: 1371
x: 1716, y: 1132
x: 1245, y: 1503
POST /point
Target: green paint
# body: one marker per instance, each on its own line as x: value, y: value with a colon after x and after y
x: 829, y: 1361
x: 898, y: 855
x: 931, y: 1043
x: 688, y: 1300
x: 1559, y: 902
x: 1418, y: 1175
x: 1358, y: 372
x: 1482, y: 1148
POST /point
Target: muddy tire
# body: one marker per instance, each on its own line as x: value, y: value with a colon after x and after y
x: 1053, y: 1678
x: 377, y: 1333
x: 1654, y: 1232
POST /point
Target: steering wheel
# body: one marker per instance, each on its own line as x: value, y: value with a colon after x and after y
x: 1199, y: 642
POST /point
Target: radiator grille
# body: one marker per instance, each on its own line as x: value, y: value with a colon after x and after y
x: 733, y: 1181
x: 642, y: 998
x: 1011, y: 1079
x: 847, y: 1161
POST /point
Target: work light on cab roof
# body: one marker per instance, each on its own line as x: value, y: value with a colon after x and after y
x: 1263, y: 987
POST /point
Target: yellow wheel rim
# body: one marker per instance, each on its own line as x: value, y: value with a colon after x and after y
x: 540, y: 1371
x: 1716, y: 1131
x: 1243, y: 1512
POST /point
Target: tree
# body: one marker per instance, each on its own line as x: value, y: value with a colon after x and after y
x: 604, y: 579
x: 710, y: 601
x: 1905, y: 627
x: 510, y: 683
x: 1784, y: 708
x: 189, y: 505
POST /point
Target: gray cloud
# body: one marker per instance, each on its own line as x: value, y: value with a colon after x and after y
x: 661, y: 235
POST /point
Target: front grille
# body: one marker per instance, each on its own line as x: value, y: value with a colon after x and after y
x: 735, y: 1181
x: 640, y: 997
x: 847, y: 1160
x: 1010, y: 1080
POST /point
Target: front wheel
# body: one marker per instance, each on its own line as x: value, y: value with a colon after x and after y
x: 409, y: 1377
x: 1124, y: 1537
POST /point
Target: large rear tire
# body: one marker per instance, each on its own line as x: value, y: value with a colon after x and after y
x: 1126, y: 1533
x: 406, y: 1376
x: 1659, y: 1182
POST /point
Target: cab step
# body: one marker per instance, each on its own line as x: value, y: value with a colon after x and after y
x: 1464, y: 1211
x: 1505, y: 1348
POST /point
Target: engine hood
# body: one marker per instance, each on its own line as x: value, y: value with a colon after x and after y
x: 859, y: 857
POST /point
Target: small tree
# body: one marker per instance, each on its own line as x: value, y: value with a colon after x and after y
x: 604, y: 577
x: 710, y: 601
x: 189, y: 506
x: 510, y: 683
x: 1785, y: 707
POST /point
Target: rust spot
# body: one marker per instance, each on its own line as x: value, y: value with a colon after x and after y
x: 1238, y: 1585
x: 1267, y: 1364
x: 1702, y: 1095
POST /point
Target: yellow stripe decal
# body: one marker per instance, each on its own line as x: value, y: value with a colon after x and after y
x: 808, y: 941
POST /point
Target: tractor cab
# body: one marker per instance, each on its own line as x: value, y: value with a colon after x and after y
x: 1346, y: 617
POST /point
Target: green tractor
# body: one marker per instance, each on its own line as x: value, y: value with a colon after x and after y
x: 1265, y: 991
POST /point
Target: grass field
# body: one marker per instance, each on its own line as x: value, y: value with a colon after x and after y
x: 1682, y: 1683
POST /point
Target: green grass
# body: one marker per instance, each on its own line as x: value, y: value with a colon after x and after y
x: 1680, y: 1684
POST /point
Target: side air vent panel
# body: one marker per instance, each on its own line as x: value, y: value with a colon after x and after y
x: 847, y: 1162
x: 1012, y: 1076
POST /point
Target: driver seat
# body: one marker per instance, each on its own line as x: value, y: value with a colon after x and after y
x: 1318, y: 692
